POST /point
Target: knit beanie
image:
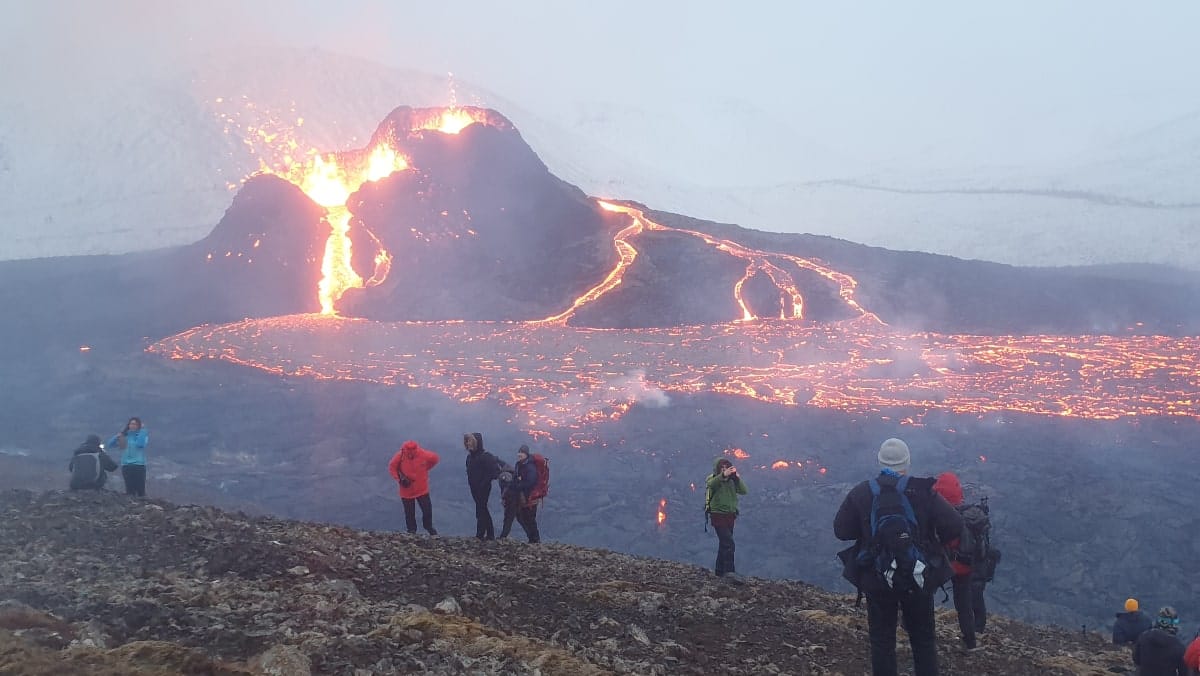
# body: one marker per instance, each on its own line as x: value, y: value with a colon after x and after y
x: 894, y: 455
x: 523, y: 449
x: 1168, y: 620
x: 1131, y: 605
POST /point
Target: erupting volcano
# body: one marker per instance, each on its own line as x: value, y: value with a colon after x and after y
x: 460, y: 264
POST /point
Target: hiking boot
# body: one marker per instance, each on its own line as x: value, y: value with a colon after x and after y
x: 732, y: 578
x: 432, y: 532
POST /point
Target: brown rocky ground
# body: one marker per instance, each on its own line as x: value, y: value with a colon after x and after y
x: 97, y: 583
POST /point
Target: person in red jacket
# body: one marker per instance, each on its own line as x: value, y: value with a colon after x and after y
x: 1191, y: 658
x: 966, y: 600
x: 410, y: 468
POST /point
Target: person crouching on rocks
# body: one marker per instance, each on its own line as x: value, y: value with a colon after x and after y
x: 723, y: 487
x: 90, y: 465
x: 410, y: 468
x: 132, y: 442
x: 524, y: 480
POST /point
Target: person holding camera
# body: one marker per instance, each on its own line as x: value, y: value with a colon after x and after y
x: 721, y: 506
x: 132, y: 442
x: 410, y: 468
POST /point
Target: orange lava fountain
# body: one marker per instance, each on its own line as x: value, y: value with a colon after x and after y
x: 330, y: 178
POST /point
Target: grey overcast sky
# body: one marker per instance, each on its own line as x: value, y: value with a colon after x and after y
x: 969, y: 82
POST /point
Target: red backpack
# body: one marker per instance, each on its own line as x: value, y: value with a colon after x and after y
x: 542, y: 487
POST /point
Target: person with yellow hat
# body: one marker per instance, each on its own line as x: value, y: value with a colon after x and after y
x: 1130, y: 624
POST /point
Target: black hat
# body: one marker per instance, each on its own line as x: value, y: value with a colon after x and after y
x: 523, y: 449
x: 92, y: 440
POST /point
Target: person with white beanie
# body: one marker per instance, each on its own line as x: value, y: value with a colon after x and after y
x: 898, y: 524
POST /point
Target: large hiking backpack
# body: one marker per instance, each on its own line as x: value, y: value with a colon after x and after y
x: 895, y: 552
x: 542, y: 487
x: 975, y: 543
x: 86, y: 470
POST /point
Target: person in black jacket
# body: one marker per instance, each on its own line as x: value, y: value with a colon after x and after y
x: 937, y: 523
x: 482, y: 469
x: 1158, y: 651
x: 1130, y: 624
x: 90, y: 465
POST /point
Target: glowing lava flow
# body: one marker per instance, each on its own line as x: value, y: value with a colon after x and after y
x: 329, y: 179
x: 626, y: 254
x: 789, y: 293
x: 555, y: 377
x: 561, y: 379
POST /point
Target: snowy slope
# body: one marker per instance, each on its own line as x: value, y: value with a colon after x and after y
x: 154, y: 163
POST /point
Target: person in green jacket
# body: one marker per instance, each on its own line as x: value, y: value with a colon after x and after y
x: 721, y: 505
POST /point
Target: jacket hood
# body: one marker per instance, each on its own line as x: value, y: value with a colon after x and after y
x: 410, y: 446
x: 948, y: 487
x: 717, y: 463
x: 91, y: 445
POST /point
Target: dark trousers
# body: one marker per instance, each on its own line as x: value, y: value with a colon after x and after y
x: 527, y: 517
x: 410, y: 513
x: 978, y: 604
x: 882, y: 609
x: 511, y: 507
x: 484, y: 528
x: 964, y: 605
x: 723, y: 524
x: 135, y: 479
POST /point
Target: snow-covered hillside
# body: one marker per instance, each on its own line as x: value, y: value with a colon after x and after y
x: 154, y: 162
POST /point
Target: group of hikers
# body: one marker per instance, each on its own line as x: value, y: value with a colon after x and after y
x: 523, y: 486
x: 1157, y: 648
x: 91, y: 463
x: 911, y: 536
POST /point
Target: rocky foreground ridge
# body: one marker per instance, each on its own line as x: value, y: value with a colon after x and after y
x: 98, y: 583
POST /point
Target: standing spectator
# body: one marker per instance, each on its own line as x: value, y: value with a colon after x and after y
x: 1158, y: 651
x: 524, y: 481
x: 132, y: 442
x: 722, y: 489
x: 90, y: 465
x: 509, y: 499
x: 921, y: 520
x: 1130, y: 624
x: 968, y: 604
x: 482, y: 469
x: 410, y: 468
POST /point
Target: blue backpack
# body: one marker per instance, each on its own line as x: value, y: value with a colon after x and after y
x: 894, y: 551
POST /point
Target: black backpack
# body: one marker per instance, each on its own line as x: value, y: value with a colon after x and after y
x: 895, y: 552
x: 976, y: 540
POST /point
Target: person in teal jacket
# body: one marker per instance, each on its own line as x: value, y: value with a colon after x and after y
x: 721, y: 505
x: 132, y: 442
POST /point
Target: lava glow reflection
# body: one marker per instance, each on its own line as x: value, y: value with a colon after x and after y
x: 562, y: 380
x: 559, y: 380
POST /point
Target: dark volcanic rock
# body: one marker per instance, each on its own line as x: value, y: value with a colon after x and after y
x: 149, y: 585
x: 479, y: 229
